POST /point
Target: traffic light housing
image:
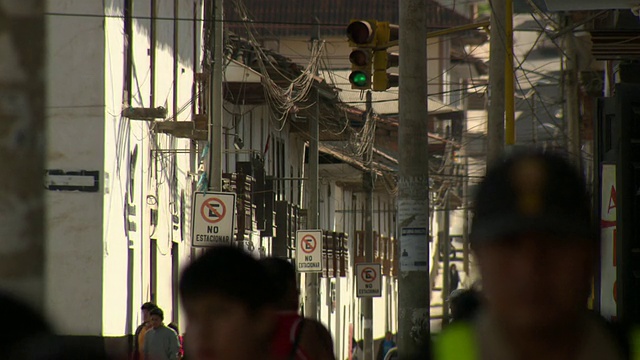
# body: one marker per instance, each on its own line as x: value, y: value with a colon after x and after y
x: 386, y: 37
x: 362, y: 37
x: 360, y: 77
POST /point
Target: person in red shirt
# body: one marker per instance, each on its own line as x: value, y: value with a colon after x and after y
x: 173, y: 326
x: 295, y: 337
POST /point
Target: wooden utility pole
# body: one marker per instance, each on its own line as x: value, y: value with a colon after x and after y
x: 446, y: 248
x: 216, y: 110
x: 497, y: 62
x: 571, y: 110
x: 368, y: 182
x: 509, y: 92
x: 22, y: 153
x: 413, y: 185
x: 465, y: 184
x: 312, y: 280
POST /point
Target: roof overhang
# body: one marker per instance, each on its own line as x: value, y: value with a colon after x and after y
x: 582, y: 5
x: 236, y: 71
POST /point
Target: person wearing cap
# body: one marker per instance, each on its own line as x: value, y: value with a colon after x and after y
x: 536, y: 247
x: 161, y: 342
x: 464, y: 304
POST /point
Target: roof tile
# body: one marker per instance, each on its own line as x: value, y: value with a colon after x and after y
x: 275, y: 18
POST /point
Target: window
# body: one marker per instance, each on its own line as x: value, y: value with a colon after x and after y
x: 153, y: 269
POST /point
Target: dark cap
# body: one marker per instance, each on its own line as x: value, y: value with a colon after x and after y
x: 531, y: 192
x: 148, y: 306
x: 158, y: 312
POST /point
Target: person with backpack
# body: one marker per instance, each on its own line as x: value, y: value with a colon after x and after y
x: 385, y: 345
x: 295, y: 337
x: 173, y: 326
x: 535, y: 244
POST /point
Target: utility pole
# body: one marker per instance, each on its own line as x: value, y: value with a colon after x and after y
x: 368, y: 183
x: 534, y: 119
x: 509, y: 106
x: 572, y: 112
x: 312, y: 280
x: 446, y: 280
x: 413, y: 185
x: 465, y: 186
x: 465, y: 219
x: 445, y: 260
x: 497, y: 62
x: 22, y: 115
x: 216, y: 109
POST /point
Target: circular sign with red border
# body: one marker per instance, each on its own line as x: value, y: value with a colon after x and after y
x: 308, y: 244
x: 213, y: 210
x: 368, y: 274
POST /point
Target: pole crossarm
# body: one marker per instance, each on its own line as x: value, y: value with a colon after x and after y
x: 457, y: 29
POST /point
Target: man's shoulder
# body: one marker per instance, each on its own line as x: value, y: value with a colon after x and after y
x: 139, y: 328
x: 316, y: 339
x: 164, y: 330
x: 316, y: 326
x: 167, y: 331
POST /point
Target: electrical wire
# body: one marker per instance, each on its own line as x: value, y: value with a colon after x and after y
x: 281, y: 100
x: 502, y: 32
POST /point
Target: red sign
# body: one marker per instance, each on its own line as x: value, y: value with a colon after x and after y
x: 308, y: 244
x: 213, y: 210
x: 368, y: 274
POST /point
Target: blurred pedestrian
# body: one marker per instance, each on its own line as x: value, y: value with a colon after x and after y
x: 454, y: 278
x: 28, y: 327
x: 141, y: 330
x: 385, y: 345
x: 226, y: 296
x: 295, y: 337
x: 464, y: 304
x: 535, y: 244
x: 30, y: 336
x: 160, y: 342
x: 357, y: 352
x: 173, y: 326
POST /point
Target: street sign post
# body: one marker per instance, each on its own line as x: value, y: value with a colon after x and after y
x: 368, y: 280
x: 309, y: 250
x: 213, y: 218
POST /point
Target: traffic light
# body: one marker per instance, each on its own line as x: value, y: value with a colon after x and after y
x: 386, y: 37
x: 360, y: 77
x: 362, y: 37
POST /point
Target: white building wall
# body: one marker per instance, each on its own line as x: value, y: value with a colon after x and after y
x: 138, y: 140
x: 116, y: 170
x: 341, y: 310
x: 189, y: 59
x: 476, y: 145
x: 88, y: 245
x: 296, y: 155
x: 163, y: 158
x: 167, y: 165
x: 435, y: 67
x: 75, y: 120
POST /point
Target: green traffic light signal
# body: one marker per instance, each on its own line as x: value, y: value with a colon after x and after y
x: 359, y: 78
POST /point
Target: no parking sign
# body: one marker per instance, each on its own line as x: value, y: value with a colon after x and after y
x: 309, y: 250
x: 213, y: 218
x: 368, y: 280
